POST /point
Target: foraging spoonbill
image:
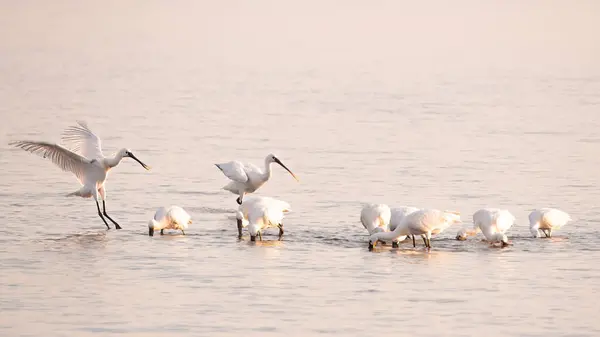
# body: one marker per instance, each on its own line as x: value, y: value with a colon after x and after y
x: 246, y: 177
x: 398, y: 214
x: 376, y: 217
x: 173, y: 217
x: 492, y: 222
x: 260, y: 213
x: 90, y: 166
x: 424, y: 222
x: 546, y: 220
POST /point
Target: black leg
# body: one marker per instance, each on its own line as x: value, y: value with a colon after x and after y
x: 109, y: 218
x: 280, y: 231
x: 183, y: 232
x: 162, y: 232
x: 425, y: 241
x: 414, y: 244
x: 260, y: 235
x: 239, y: 226
x: 394, y: 244
x: 100, y: 215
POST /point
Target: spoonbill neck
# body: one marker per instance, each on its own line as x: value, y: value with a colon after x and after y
x: 393, y: 235
x: 153, y: 225
x: 112, y: 162
x: 267, y: 173
x: 534, y: 230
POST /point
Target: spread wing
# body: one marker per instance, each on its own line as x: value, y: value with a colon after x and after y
x: 81, y: 139
x: 61, y: 157
x: 234, y: 170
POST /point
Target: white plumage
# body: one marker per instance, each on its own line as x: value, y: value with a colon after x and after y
x: 246, y: 177
x: 375, y: 217
x: 398, y: 214
x: 173, y: 217
x: 424, y: 222
x: 89, y: 166
x: 492, y: 222
x: 547, y: 220
x: 259, y: 213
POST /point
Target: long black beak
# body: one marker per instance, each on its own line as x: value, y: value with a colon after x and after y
x: 150, y: 231
x: 287, y: 169
x: 139, y: 161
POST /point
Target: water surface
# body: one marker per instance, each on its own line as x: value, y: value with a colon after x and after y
x: 451, y: 106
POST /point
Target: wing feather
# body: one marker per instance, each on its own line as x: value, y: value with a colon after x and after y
x: 234, y: 170
x: 67, y: 160
x: 81, y: 139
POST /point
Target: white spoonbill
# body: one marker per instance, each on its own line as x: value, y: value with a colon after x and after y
x: 90, y: 167
x: 376, y: 217
x: 173, y: 217
x: 424, y: 222
x: 246, y: 177
x: 260, y: 213
x: 398, y: 214
x: 546, y: 220
x: 492, y: 222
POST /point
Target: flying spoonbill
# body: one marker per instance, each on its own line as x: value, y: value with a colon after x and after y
x: 260, y: 213
x: 90, y: 166
x: 173, y: 217
x: 246, y: 177
x: 492, y: 222
x: 376, y: 217
x: 546, y: 220
x: 424, y: 222
x: 398, y: 214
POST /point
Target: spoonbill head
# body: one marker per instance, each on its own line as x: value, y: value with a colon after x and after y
x: 259, y: 213
x: 462, y: 234
x: 375, y: 217
x: 499, y: 237
x: 126, y: 153
x: 272, y: 159
x: 547, y: 220
x: 85, y: 160
x: 173, y: 217
x: 247, y: 178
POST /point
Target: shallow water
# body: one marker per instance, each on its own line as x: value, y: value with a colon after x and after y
x: 474, y: 105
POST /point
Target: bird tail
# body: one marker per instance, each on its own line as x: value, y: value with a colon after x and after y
x: 77, y: 194
x: 83, y: 192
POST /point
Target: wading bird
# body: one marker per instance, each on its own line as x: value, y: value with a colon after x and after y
x: 260, y: 213
x: 173, y: 217
x: 546, y: 220
x: 246, y: 177
x: 492, y: 222
x: 91, y: 167
x: 424, y: 222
